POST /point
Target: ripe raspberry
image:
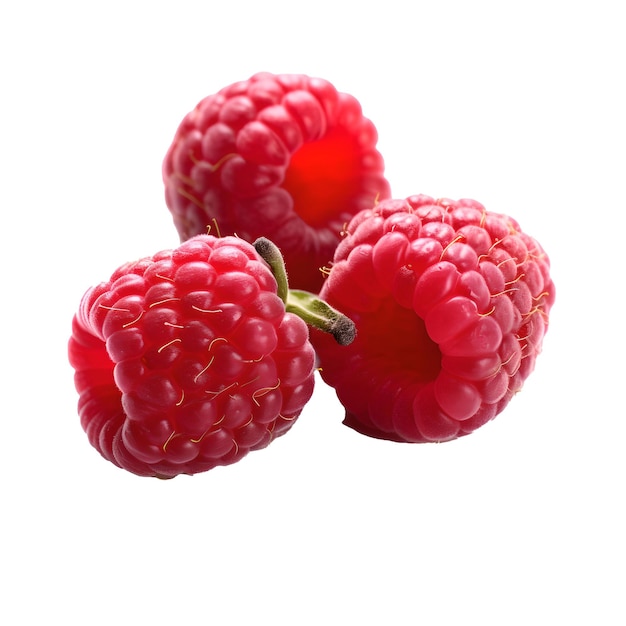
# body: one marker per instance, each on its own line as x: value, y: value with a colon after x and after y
x: 189, y: 359
x: 285, y: 157
x: 451, y: 304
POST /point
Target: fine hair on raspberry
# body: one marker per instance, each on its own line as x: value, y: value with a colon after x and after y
x: 451, y: 303
x: 282, y: 156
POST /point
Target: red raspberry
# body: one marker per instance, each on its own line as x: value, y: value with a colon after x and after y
x: 188, y: 359
x: 451, y: 304
x: 280, y: 156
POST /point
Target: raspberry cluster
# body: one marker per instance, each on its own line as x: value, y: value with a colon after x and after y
x: 425, y: 315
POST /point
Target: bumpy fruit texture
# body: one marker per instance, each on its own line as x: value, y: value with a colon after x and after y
x: 285, y: 157
x: 188, y: 360
x: 451, y: 305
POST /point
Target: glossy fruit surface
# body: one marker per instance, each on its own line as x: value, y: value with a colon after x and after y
x: 188, y: 359
x: 282, y: 156
x: 451, y: 303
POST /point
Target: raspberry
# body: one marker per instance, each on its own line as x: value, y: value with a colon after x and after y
x: 191, y: 358
x: 285, y: 157
x: 451, y: 305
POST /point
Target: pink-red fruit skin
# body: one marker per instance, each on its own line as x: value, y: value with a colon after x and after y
x: 188, y: 360
x: 282, y: 156
x: 451, y: 303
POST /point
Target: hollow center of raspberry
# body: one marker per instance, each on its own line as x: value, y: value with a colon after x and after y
x: 397, y: 337
x: 323, y: 177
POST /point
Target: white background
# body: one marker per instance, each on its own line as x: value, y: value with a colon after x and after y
x: 519, y: 105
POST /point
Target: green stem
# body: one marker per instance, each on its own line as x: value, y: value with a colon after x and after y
x: 317, y: 313
x: 305, y: 305
x: 268, y: 251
